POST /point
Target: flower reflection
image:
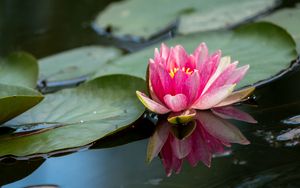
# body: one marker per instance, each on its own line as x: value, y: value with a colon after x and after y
x: 208, y: 134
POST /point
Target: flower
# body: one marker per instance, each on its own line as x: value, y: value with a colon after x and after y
x: 178, y: 81
x: 209, y: 134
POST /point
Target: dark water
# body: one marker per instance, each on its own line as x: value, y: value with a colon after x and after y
x: 50, y: 26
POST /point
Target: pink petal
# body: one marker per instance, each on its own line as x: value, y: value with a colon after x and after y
x: 187, y: 85
x: 222, y: 66
x: 154, y: 82
x: 157, y: 57
x: 176, y: 103
x: 212, y: 98
x: 152, y: 93
x: 207, y: 69
x: 221, y: 129
x: 200, y: 55
x: 237, y: 75
x: 160, y: 79
x: 181, y: 57
x: 165, y: 79
x: 164, y: 51
x: 152, y: 105
x: 230, y: 112
x: 171, y: 62
x: 236, y: 96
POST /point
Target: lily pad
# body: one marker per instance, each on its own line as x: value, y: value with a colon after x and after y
x: 15, y: 100
x: 142, y: 18
x: 287, y: 18
x: 76, y: 63
x: 77, y: 117
x: 19, y: 69
x: 18, y: 73
x: 267, y: 48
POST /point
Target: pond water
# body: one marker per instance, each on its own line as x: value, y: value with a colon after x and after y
x: 50, y: 26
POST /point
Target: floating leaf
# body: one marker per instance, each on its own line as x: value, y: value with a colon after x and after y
x: 287, y: 18
x: 20, y: 69
x: 75, y: 63
x: 80, y: 116
x: 15, y: 100
x: 19, y: 72
x: 144, y: 18
x: 267, y: 48
x: 222, y: 14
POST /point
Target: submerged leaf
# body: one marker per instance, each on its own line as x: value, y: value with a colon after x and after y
x: 87, y: 113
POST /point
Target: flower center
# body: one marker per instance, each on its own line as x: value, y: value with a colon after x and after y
x: 174, y: 70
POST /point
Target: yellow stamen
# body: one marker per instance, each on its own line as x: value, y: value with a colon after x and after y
x: 174, y: 70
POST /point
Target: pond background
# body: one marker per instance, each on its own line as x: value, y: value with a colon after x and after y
x: 50, y: 26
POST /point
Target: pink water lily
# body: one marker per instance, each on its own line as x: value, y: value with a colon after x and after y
x: 179, y: 81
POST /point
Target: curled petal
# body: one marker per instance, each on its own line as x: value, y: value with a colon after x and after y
x: 236, y: 96
x: 151, y: 104
x: 176, y: 103
x: 212, y: 98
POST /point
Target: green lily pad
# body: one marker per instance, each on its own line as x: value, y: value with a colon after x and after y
x: 20, y: 69
x: 76, y: 117
x: 75, y: 63
x: 287, y: 18
x: 18, y: 73
x: 15, y: 100
x: 144, y: 18
x: 267, y: 48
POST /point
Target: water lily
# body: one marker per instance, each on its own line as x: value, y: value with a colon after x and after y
x: 180, y: 82
x: 198, y: 140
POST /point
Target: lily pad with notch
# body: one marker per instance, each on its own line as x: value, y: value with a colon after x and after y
x: 79, y: 116
x: 287, y: 18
